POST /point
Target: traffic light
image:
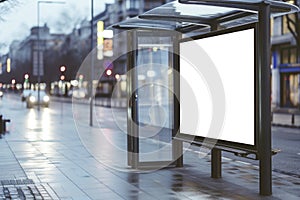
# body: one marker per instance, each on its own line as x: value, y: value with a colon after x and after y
x: 108, y: 66
x: 108, y: 72
x: 62, y: 73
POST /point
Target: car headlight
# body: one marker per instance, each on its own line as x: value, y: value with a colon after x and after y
x: 46, y: 98
x: 32, y: 99
x: 1, y: 93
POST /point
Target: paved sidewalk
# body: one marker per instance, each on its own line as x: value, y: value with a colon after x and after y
x: 43, y: 161
x: 65, y: 170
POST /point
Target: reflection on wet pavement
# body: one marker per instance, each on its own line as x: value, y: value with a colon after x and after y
x: 68, y: 159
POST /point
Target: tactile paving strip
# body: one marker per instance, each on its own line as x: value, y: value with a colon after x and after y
x: 23, y: 189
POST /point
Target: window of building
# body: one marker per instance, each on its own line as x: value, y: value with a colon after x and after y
x: 293, y: 55
x: 150, y: 4
x: 132, y: 4
x: 272, y: 26
x: 284, y: 56
x: 289, y: 55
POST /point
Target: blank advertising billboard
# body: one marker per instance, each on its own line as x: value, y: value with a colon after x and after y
x: 217, y: 86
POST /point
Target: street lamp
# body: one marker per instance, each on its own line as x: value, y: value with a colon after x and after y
x: 38, y: 42
x: 26, y: 76
x: 26, y: 81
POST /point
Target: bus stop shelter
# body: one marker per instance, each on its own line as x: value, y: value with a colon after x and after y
x: 157, y: 100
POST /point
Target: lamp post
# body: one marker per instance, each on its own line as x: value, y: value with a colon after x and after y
x: 92, y: 64
x: 38, y: 43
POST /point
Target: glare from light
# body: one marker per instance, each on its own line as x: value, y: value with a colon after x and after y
x: 8, y: 67
x: 62, y: 77
x: 108, y: 72
x: 62, y: 68
x: 74, y: 83
x: 141, y: 77
x: 108, y: 34
x: 32, y: 99
x: 151, y: 73
x: 46, y: 98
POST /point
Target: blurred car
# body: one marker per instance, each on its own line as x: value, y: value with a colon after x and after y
x: 25, y: 94
x: 32, y: 99
x: 1, y: 94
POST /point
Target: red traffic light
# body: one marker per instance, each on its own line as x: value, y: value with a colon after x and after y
x: 62, y: 77
x: 108, y: 72
x: 63, y: 68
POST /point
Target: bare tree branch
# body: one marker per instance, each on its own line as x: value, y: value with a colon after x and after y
x: 6, y: 6
x: 289, y: 22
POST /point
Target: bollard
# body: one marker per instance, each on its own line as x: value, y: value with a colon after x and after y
x: 216, y: 163
x: 272, y: 115
x: 293, y: 119
x: 1, y: 124
x: 4, y: 124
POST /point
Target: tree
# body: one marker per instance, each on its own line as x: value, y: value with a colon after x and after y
x: 6, y: 6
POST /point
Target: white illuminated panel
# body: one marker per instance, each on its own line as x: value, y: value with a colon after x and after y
x: 232, y: 56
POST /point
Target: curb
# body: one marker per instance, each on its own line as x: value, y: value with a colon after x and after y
x: 285, y: 125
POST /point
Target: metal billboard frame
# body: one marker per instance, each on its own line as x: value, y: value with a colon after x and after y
x: 225, y: 143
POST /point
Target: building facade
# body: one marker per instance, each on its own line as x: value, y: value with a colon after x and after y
x: 286, y: 61
x: 23, y: 54
x: 117, y: 64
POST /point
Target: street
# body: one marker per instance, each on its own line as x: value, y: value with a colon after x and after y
x: 287, y: 161
x: 57, y: 148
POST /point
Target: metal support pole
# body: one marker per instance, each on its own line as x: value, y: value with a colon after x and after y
x: 38, y: 53
x: 92, y: 63
x: 216, y: 163
x: 177, y: 146
x: 132, y: 129
x: 264, y: 148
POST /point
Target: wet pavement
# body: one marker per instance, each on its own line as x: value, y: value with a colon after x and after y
x: 55, y: 154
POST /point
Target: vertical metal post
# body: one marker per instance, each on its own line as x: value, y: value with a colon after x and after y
x: 38, y: 53
x: 177, y: 146
x: 129, y: 99
x: 216, y: 163
x: 92, y: 63
x: 132, y: 117
x: 264, y: 72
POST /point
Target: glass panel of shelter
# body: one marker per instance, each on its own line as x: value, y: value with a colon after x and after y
x: 154, y: 106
